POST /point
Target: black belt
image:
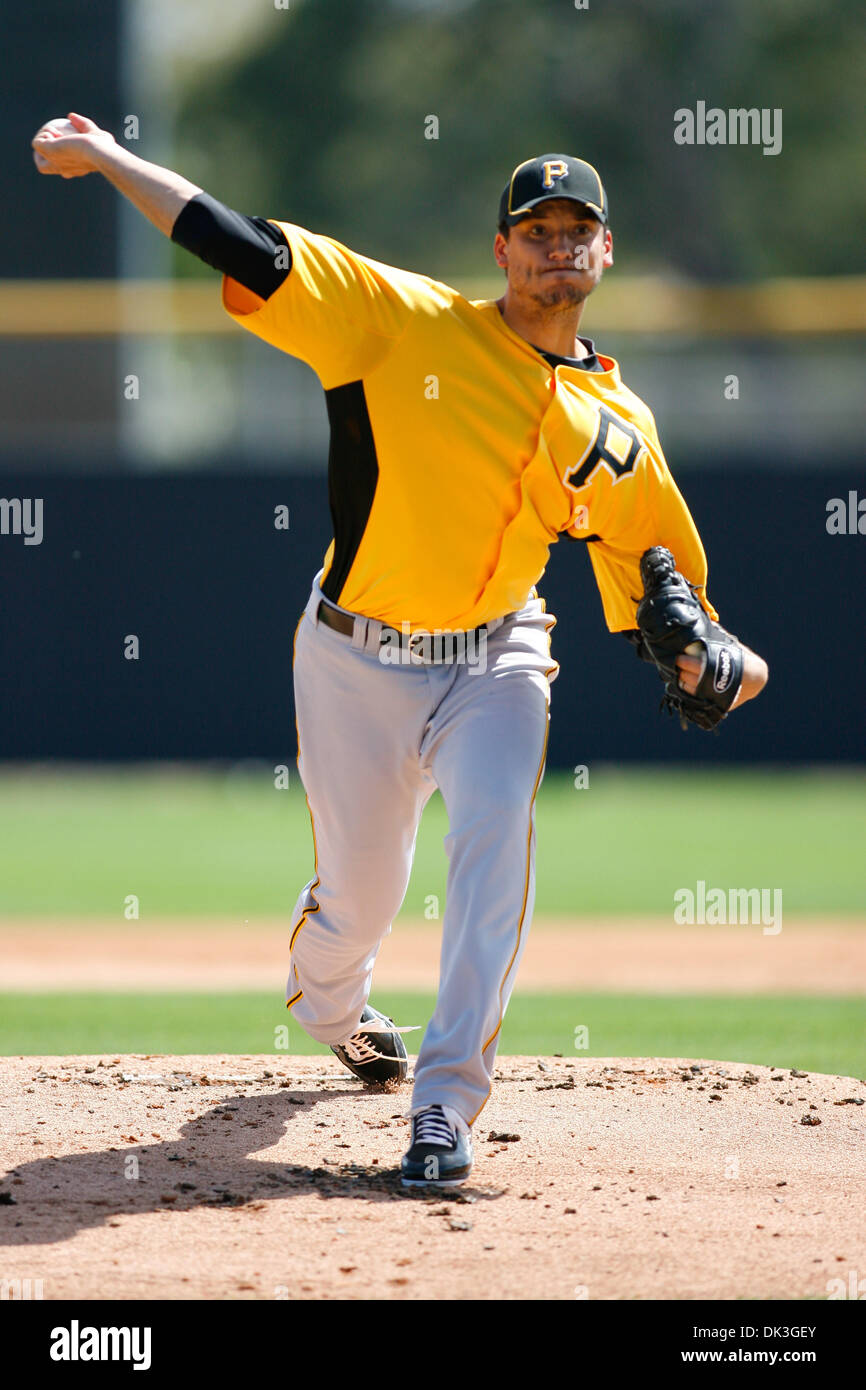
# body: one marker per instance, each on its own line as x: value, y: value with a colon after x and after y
x: 345, y: 623
x: 332, y: 617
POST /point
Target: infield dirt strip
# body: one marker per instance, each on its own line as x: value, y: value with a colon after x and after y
x: 232, y: 1177
x: 810, y: 957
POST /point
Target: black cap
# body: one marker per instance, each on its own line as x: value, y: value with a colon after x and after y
x: 551, y: 176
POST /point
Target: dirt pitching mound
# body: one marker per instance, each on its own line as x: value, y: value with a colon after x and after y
x: 262, y: 1177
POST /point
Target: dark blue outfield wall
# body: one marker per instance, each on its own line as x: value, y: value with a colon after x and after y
x: 194, y: 566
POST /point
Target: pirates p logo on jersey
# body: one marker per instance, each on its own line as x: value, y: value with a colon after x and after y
x: 617, y: 445
x: 553, y: 169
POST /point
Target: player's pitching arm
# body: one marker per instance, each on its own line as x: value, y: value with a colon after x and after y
x: 86, y: 149
x: 251, y: 250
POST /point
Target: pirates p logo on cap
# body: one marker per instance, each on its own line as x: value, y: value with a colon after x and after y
x: 553, y: 169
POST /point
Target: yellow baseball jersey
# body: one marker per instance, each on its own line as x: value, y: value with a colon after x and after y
x: 458, y: 453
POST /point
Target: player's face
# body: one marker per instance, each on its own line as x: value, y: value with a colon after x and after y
x: 556, y: 256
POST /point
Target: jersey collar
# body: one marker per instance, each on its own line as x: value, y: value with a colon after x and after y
x: 491, y: 310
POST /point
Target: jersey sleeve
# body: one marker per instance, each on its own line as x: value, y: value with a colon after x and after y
x: 339, y: 312
x: 625, y: 516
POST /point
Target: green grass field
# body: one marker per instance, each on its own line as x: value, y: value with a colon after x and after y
x: 206, y: 842
x: 808, y: 1033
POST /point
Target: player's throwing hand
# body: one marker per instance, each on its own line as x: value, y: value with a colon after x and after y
x: 67, y: 147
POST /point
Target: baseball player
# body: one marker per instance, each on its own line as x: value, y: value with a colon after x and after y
x: 466, y: 437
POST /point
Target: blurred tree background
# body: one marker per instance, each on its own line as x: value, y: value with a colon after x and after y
x: 322, y: 122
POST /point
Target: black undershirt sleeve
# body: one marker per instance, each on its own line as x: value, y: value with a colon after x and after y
x: 244, y: 248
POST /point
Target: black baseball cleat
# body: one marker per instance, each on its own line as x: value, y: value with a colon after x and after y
x: 375, y: 1052
x: 440, y: 1154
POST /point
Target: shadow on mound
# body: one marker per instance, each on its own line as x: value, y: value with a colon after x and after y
x: 210, y: 1165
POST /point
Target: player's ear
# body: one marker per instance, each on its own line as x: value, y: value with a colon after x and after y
x: 500, y: 250
x: 608, y: 247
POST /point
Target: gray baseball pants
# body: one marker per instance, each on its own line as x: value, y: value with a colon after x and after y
x: 375, y: 740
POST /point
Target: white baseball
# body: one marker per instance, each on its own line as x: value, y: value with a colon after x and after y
x: 61, y: 126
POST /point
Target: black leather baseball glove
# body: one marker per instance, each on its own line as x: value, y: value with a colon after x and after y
x: 670, y: 618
